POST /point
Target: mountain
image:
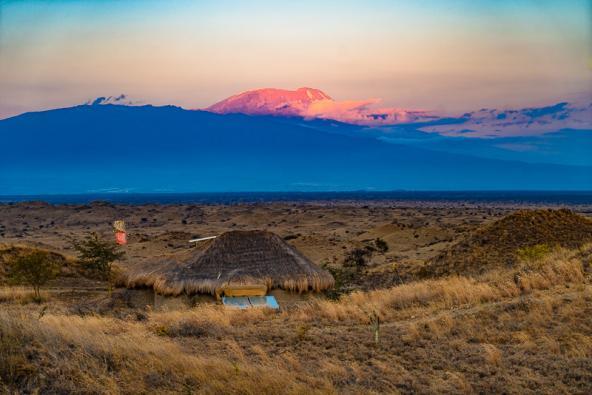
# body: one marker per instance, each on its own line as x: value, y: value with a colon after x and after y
x: 270, y: 101
x: 313, y: 103
x: 94, y: 148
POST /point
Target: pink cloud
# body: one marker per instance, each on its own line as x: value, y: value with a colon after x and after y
x: 363, y: 112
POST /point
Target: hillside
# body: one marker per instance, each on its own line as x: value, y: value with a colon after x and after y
x: 497, y: 245
x: 70, y: 274
x: 168, y: 149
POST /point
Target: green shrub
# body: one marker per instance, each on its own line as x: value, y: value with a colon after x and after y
x: 98, y: 255
x: 533, y: 253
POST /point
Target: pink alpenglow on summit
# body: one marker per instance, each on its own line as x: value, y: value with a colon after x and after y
x: 314, y: 103
x: 270, y: 101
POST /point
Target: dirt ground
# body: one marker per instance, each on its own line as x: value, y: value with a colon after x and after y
x: 324, y: 232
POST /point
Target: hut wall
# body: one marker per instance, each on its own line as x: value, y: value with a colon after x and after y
x: 171, y: 303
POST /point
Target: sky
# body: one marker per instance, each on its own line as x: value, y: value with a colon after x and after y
x: 447, y: 56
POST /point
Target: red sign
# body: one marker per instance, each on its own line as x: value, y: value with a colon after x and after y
x: 120, y: 238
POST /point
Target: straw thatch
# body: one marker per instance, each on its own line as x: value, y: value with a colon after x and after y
x: 237, y: 257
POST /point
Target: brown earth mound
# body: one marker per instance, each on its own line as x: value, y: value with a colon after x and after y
x: 496, y: 245
x: 9, y: 252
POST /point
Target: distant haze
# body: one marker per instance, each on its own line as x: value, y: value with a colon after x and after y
x: 446, y: 56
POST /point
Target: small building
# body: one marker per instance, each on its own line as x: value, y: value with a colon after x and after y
x: 237, y: 264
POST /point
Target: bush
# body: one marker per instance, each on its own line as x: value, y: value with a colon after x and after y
x: 381, y: 245
x: 533, y: 253
x: 35, y: 269
x: 357, y: 257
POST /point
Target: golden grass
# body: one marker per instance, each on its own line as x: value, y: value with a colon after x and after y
x: 504, y: 335
x: 85, y: 349
x: 560, y: 267
x: 19, y: 294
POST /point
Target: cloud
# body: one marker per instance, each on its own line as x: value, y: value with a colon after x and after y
x: 364, y: 112
x: 121, y: 99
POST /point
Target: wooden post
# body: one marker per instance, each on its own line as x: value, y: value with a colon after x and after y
x: 375, y: 323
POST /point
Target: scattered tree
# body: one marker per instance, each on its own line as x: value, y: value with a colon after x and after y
x: 98, y: 255
x: 381, y: 245
x: 34, y: 269
x: 353, y: 265
x: 357, y: 257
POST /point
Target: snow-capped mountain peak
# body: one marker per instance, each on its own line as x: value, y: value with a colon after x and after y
x: 313, y: 103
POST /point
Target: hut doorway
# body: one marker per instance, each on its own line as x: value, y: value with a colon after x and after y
x: 246, y: 296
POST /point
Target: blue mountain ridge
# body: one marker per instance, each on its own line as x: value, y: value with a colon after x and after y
x: 149, y: 149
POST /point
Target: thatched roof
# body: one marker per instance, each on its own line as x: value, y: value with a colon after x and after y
x: 237, y: 257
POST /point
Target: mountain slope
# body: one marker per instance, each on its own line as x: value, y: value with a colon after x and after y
x: 565, y: 147
x: 270, y: 101
x: 153, y: 149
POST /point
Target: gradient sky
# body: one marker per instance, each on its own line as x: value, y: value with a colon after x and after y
x: 446, y: 56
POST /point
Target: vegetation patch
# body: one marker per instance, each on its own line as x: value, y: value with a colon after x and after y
x: 526, y: 235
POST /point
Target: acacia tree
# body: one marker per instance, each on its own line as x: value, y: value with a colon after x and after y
x: 381, y: 245
x: 358, y: 257
x: 35, y: 269
x: 98, y: 255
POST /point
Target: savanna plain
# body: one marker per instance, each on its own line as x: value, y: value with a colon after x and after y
x: 430, y: 297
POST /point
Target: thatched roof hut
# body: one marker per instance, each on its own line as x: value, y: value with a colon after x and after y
x: 237, y: 257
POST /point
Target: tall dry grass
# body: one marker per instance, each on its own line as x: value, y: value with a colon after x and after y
x: 210, y: 349
x: 205, y: 320
x: 87, y: 351
x: 560, y: 267
x: 20, y: 294
x: 413, y: 300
